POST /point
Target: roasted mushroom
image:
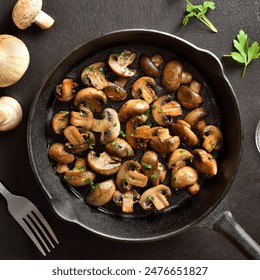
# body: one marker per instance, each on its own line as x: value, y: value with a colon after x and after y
x: 163, y: 143
x: 173, y: 75
x: 150, y: 166
x: 179, y: 155
x: 79, y: 175
x: 164, y: 109
x: 148, y: 67
x: 93, y: 75
x: 115, y: 92
x: 204, y: 162
x: 66, y: 90
x: 103, y: 163
x: 194, y: 117
x: 155, y: 196
x: 130, y: 175
x: 60, y: 121
x: 131, y: 108
x: 126, y: 200
x: 92, y: 98
x: 109, y: 126
x: 144, y: 88
x: 183, y: 130
x: 184, y: 177
x: 101, y: 193
x: 213, y: 138
x: 120, y: 148
x: 189, y: 96
x: 119, y: 63
x: 83, y: 119
x: 58, y: 153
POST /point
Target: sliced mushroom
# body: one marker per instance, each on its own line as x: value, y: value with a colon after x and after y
x: 132, y: 108
x: 150, y: 166
x: 184, y: 177
x: 173, y: 75
x: 130, y: 175
x: 60, y: 121
x: 213, y: 138
x: 189, y: 96
x: 92, y: 98
x: 121, y: 81
x: 131, y: 127
x: 187, y: 136
x: 93, y: 75
x: 194, y: 117
x: 155, y: 196
x: 179, y: 155
x: 120, y: 148
x: 101, y: 193
x: 204, y: 162
x: 66, y: 90
x: 61, y: 167
x: 83, y: 119
x: 119, y: 63
x: 74, y: 136
x: 144, y: 88
x: 79, y: 175
x: 162, y: 172
x: 148, y: 67
x: 109, y: 126
x: 103, y: 163
x: 144, y: 132
x: 164, y: 109
x: 115, y: 92
x: 164, y: 143
x: 58, y: 153
x: 126, y: 200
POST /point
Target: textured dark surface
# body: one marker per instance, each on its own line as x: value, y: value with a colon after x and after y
x: 84, y: 20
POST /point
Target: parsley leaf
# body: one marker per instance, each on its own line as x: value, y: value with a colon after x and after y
x: 245, y: 52
x: 199, y: 12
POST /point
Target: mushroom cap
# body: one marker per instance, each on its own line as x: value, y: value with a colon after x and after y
x: 171, y: 75
x: 60, y: 121
x: 115, y: 92
x: 188, y: 98
x: 103, y: 164
x: 66, y: 90
x: 102, y: 193
x: 148, y: 67
x: 213, y: 138
x: 204, y: 162
x: 58, y: 153
x: 120, y: 148
x: 25, y: 12
x: 184, y: 177
x: 178, y: 155
x: 156, y: 196
x: 150, y: 166
x: 195, y: 116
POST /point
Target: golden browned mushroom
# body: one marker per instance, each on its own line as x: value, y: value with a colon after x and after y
x: 184, y: 177
x: 150, y: 166
x: 204, y: 162
x: 173, y: 75
x: 60, y: 121
x: 183, y: 130
x: 92, y: 98
x: 179, y: 155
x: 115, y: 92
x: 79, y: 175
x: 144, y: 88
x: 130, y: 175
x: 66, y: 91
x: 213, y: 138
x: 164, y: 109
x: 26, y: 12
x: 194, y: 117
x: 108, y: 126
x: 120, y: 148
x: 83, y: 119
x: 126, y: 200
x: 119, y: 63
x: 104, y: 163
x: 132, y: 108
x: 155, y: 197
x: 163, y: 143
x: 148, y: 67
x: 189, y: 96
x: 58, y: 153
x: 101, y: 193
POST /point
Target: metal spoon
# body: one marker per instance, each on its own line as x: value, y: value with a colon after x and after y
x: 257, y: 137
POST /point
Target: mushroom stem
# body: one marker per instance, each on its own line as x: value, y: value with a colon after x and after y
x: 44, y: 20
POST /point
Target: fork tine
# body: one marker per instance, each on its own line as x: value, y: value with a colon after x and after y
x: 27, y: 219
x: 32, y: 216
x: 45, y: 223
x: 31, y: 235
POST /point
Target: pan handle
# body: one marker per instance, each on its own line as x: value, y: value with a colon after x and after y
x: 221, y: 220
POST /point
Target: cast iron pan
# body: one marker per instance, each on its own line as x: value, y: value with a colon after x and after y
x: 208, y: 208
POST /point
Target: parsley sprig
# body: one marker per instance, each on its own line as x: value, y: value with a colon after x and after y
x: 245, y: 52
x: 199, y: 11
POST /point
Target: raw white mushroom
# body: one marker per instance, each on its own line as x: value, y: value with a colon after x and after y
x: 14, y: 60
x: 10, y: 113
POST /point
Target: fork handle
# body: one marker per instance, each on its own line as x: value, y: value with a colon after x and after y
x: 4, y: 191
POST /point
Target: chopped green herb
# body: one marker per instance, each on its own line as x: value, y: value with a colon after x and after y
x: 122, y: 133
x: 116, y: 145
x: 146, y: 165
x: 153, y: 106
x: 153, y: 176
x: 149, y: 198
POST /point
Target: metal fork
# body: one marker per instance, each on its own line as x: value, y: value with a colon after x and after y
x: 30, y: 219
